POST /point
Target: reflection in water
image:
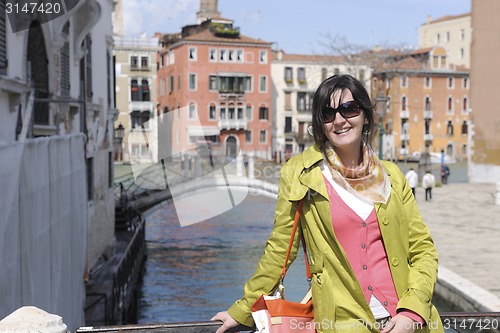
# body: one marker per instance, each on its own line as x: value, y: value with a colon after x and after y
x: 195, y: 271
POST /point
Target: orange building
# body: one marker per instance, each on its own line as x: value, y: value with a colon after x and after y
x: 217, y: 83
x: 427, y: 107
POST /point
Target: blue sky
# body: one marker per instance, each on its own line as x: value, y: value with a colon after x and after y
x: 299, y: 26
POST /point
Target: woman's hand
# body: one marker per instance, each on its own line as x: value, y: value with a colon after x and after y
x: 400, y: 324
x: 227, y: 321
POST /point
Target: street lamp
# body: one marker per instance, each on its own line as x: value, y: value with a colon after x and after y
x: 381, y: 104
x: 119, y: 134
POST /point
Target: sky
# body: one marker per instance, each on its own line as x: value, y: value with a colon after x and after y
x: 300, y: 26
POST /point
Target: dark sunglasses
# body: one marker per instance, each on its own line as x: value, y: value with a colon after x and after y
x: 347, y: 110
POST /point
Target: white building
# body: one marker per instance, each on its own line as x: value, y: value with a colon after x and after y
x: 295, y: 78
x: 453, y: 33
x: 56, y: 156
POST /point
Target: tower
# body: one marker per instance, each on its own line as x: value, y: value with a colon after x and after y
x: 208, y: 9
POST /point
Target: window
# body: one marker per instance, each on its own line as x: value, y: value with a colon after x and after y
x: 438, y: 38
x: 144, y: 62
x: 447, y: 36
x: 449, y: 128
x: 465, y: 127
x: 428, y: 82
x: 304, y: 101
x: 263, y: 84
x: 462, y: 34
x: 171, y: 85
x: 230, y: 55
x: 162, y: 87
x: 449, y: 105
x: 134, y: 62
x: 461, y: 54
x: 212, y: 112
x: 110, y: 169
x: 178, y: 81
x: 212, y: 55
x: 465, y: 83
x: 288, y: 75
x: 404, y: 81
x: 262, y: 136
x: 301, y: 75
x: 192, y: 82
x: 192, y: 53
x: 139, y: 119
x: 336, y: 71
x: 139, y: 93
x: 403, y: 103
x: 288, y: 124
x: 222, y: 55
x: 427, y: 104
x: 192, y: 111
x: 248, y: 136
x: 223, y: 111
x: 324, y: 73
x: 451, y: 83
x: 145, y: 91
x: 465, y: 105
x: 230, y: 109
x: 65, y: 56
x: 263, y: 57
x: 288, y: 101
x: 239, y: 55
x: 263, y: 113
x: 212, y: 82
x: 249, y: 112
x: 240, y: 111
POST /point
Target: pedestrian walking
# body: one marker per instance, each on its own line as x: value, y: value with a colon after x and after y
x: 412, y: 177
x: 445, y: 173
x: 428, y: 183
x: 372, y: 258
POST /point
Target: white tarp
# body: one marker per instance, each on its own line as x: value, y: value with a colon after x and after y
x: 43, y: 221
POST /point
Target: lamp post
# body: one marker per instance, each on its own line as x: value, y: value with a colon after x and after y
x: 381, y: 102
x: 119, y: 134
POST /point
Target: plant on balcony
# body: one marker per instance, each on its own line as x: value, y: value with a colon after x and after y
x: 301, y: 81
x: 288, y: 80
x: 221, y: 30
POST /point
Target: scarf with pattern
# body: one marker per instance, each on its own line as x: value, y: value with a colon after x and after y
x: 368, y: 181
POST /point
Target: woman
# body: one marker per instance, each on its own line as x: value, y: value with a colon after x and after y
x: 373, y: 261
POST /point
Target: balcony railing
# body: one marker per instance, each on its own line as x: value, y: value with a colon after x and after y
x: 462, y: 322
x: 405, y: 137
x: 428, y: 114
x: 236, y: 124
x: 428, y: 137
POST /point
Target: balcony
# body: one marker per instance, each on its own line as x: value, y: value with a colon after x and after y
x: 233, y: 124
x: 428, y: 137
x: 404, y: 114
x: 427, y: 114
x: 405, y: 137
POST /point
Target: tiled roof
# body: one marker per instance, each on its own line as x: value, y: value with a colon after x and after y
x: 307, y: 57
x: 447, y: 18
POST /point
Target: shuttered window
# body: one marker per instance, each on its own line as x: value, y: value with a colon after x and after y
x: 3, y: 39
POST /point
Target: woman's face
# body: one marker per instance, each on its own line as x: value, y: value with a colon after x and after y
x: 344, y: 133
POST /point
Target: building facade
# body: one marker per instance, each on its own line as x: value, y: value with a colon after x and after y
x: 453, y: 33
x: 57, y: 109
x: 135, y: 65
x: 426, y: 105
x: 295, y: 78
x: 218, y: 83
x: 484, y: 164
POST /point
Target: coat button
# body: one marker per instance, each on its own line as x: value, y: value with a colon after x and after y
x: 363, y: 246
x: 365, y: 267
x: 395, y: 261
x: 364, y: 225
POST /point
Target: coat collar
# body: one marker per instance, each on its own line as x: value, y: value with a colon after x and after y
x: 310, y: 176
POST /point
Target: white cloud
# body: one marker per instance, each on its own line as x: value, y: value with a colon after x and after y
x: 152, y: 16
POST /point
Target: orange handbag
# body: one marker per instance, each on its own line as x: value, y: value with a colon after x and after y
x: 274, y: 314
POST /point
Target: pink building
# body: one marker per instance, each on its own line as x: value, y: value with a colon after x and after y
x: 217, y: 83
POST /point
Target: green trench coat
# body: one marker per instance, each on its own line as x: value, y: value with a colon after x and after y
x: 339, y: 303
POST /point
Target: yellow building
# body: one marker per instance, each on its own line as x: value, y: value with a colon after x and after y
x: 426, y: 105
